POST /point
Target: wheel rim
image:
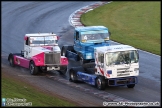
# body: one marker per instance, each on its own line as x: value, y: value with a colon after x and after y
x: 72, y: 76
x: 98, y: 83
x: 31, y: 68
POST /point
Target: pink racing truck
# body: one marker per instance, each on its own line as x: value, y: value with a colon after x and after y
x: 41, y: 53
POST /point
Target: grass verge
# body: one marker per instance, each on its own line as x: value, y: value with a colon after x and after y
x: 136, y: 23
x: 14, y: 89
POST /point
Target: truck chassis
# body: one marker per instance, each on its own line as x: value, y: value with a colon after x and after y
x: 87, y: 74
x: 17, y: 59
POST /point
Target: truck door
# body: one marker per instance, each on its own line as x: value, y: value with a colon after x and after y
x: 100, y: 63
x: 77, y: 46
x: 27, y: 48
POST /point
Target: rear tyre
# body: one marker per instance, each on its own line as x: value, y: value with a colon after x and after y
x: 33, y: 69
x: 11, y: 60
x: 100, y: 83
x: 131, y: 85
x: 73, y: 76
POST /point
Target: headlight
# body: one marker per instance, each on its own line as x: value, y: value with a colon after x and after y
x: 88, y: 55
x: 136, y: 69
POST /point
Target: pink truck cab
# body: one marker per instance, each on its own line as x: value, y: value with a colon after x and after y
x: 41, y: 53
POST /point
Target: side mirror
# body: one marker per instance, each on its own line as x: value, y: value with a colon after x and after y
x: 25, y: 38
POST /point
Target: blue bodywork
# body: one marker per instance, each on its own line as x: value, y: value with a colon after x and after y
x: 86, y: 49
x: 90, y: 79
x: 71, y: 55
x: 123, y: 81
x: 87, y: 78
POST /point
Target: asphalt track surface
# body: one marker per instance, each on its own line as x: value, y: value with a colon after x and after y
x: 20, y: 18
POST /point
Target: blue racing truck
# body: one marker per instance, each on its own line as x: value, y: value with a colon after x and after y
x: 85, y: 40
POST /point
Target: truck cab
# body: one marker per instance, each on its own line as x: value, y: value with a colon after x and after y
x: 117, y: 61
x: 40, y: 42
x: 41, y: 53
x: 85, y: 40
x: 115, y: 65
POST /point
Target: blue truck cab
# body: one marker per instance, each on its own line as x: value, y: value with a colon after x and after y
x: 85, y: 39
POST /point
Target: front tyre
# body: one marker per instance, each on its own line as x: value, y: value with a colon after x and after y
x: 11, y: 60
x: 33, y: 69
x: 100, y: 83
x: 73, y: 76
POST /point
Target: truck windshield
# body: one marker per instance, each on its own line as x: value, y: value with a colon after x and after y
x: 122, y: 57
x: 94, y: 36
x: 43, y: 40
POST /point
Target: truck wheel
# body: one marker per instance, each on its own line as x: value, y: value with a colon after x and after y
x: 63, y: 50
x: 11, y: 60
x: 131, y: 85
x: 33, y: 69
x: 72, y: 75
x: 100, y: 83
x: 63, y: 70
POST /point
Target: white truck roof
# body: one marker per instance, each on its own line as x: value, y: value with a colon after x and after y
x: 40, y: 34
x: 115, y: 48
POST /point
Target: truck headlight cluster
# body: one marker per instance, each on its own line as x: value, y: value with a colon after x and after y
x: 88, y: 55
x: 136, y: 70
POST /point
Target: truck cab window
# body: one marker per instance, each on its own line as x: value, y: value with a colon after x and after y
x: 100, y: 57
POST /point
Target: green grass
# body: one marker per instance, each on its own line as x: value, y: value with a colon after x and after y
x: 17, y: 89
x: 136, y: 23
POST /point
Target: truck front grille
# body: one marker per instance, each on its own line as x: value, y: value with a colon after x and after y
x: 52, y: 58
x: 123, y: 72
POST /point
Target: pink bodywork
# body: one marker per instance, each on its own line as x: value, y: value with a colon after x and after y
x: 38, y: 60
x: 21, y: 61
x: 64, y: 61
x: 48, y: 47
